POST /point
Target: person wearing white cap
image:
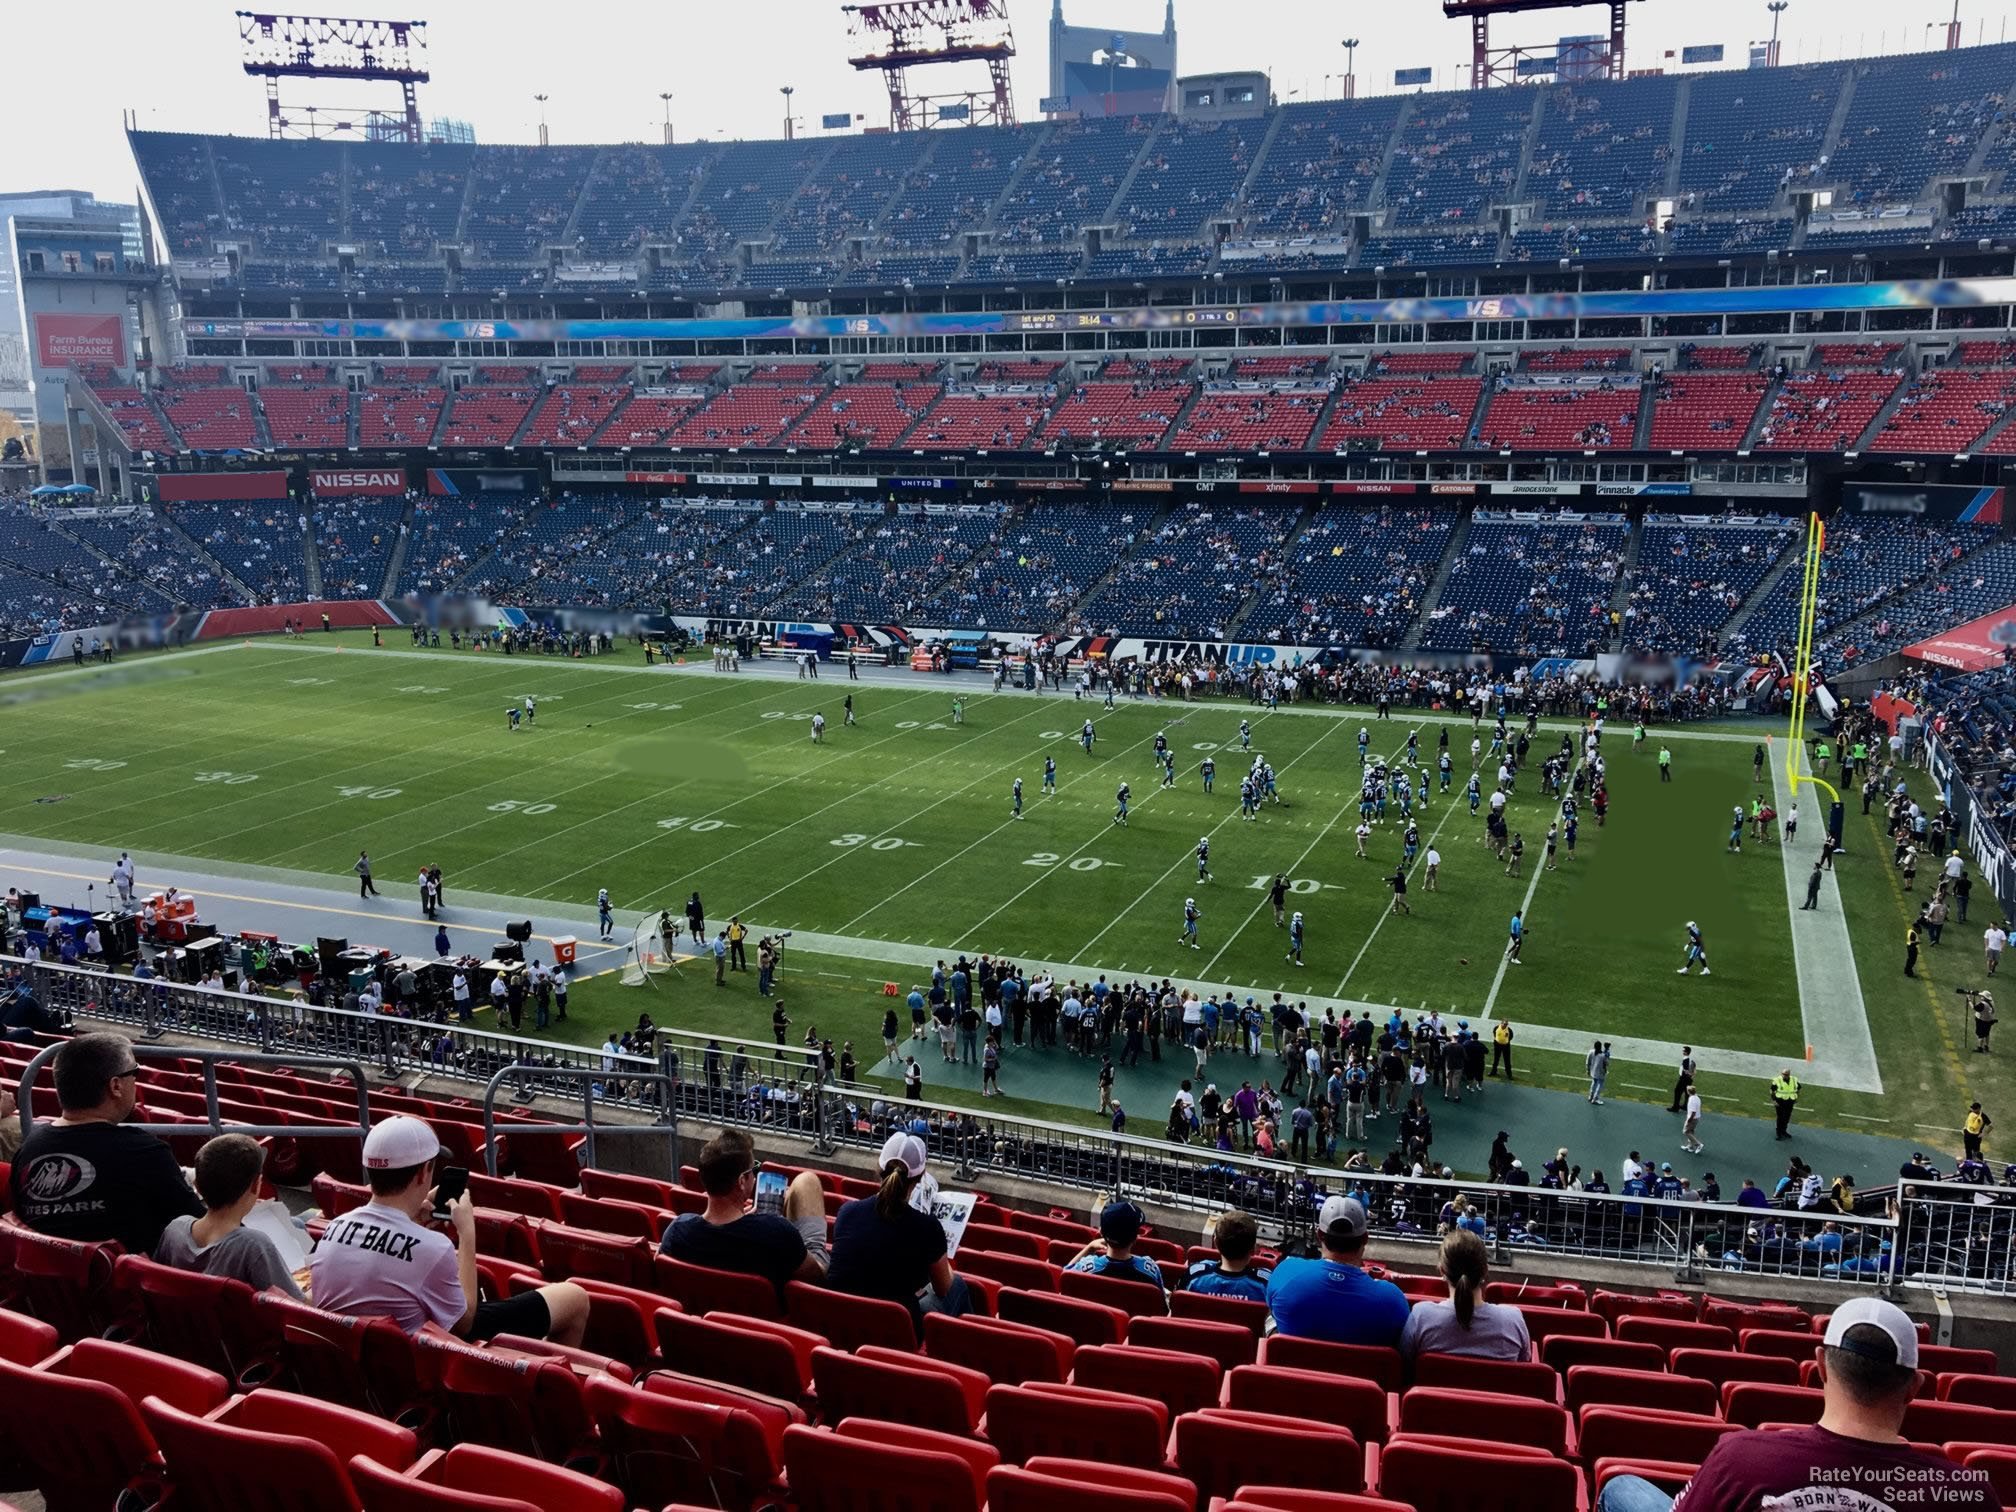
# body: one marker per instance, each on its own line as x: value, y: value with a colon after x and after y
x: 1331, y: 1297
x: 886, y: 1246
x: 1852, y: 1459
x: 383, y: 1260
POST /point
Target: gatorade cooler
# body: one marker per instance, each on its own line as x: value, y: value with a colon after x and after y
x: 565, y: 948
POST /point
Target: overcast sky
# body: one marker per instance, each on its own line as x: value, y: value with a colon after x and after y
x: 175, y: 64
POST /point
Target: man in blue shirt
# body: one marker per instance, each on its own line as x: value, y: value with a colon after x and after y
x: 1332, y: 1298
x: 1232, y: 1273
x: 1112, y: 1253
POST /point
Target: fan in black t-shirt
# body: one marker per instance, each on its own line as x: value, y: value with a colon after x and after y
x: 729, y: 1236
x: 83, y: 1176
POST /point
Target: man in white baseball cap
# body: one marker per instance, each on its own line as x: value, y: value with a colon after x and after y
x: 383, y: 1260
x: 1853, y: 1458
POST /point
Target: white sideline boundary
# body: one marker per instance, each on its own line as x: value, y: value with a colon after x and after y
x: 1831, y: 1008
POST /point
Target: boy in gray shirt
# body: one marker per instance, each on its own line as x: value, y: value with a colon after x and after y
x: 218, y: 1243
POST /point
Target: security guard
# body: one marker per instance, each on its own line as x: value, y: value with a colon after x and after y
x: 1784, y: 1097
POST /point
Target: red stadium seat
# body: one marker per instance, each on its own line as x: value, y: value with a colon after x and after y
x: 1359, y: 1406
x: 898, y: 1387
x: 1083, y: 1322
x: 512, y: 1194
x: 1941, y: 1422
x: 1668, y: 1475
x: 1001, y: 1240
x: 1979, y: 1390
x: 754, y: 1354
x: 1227, y: 1343
x: 508, y: 1400
x: 619, y: 1318
x: 849, y: 1322
x: 1366, y: 1362
x: 612, y: 1215
x: 1671, y: 1334
x: 1999, y: 1465
x: 1720, y: 1366
x: 701, y: 1290
x: 1484, y: 1415
x: 1741, y: 1315
x: 368, y: 1364
x: 471, y: 1478
x: 1535, y: 1294
x: 1943, y: 1359
x: 566, y: 1252
x: 1211, y: 1308
x: 1598, y: 1385
x: 1523, y: 1378
x: 1218, y: 1447
x: 1299, y: 1499
x: 1139, y: 1299
x: 1777, y: 1342
x: 271, y: 1449
x: 1545, y: 1323
x: 75, y: 1421
x: 1616, y: 1306
x: 65, y: 1283
x: 1565, y: 1352
x: 1647, y: 1433
x: 1180, y: 1382
x: 206, y: 1320
x: 840, y: 1472
x: 25, y: 1340
x: 1076, y: 1487
x: 671, y: 1439
x: 1077, y: 1423
x: 1417, y: 1472
x: 1008, y: 1354
x: 1753, y: 1404
x: 1009, y: 1270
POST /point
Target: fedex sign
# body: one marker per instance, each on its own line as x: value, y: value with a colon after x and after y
x: 374, y: 480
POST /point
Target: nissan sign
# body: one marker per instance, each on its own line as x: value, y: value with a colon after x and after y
x: 375, y: 480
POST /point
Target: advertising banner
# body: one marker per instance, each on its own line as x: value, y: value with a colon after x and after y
x: 1375, y: 488
x: 374, y: 482
x: 654, y: 477
x: 85, y: 340
x: 1973, y: 647
x: 454, y: 482
x: 1932, y: 501
x: 1278, y: 486
x: 192, y: 488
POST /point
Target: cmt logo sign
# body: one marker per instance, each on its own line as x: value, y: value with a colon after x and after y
x: 1214, y: 653
x: 382, y: 480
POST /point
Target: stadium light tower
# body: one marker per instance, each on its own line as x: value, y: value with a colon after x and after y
x: 1777, y: 9
x: 276, y: 47
x: 1350, y: 68
x: 967, y: 31
x: 1489, y: 65
x: 1953, y: 28
x: 542, y: 99
x: 667, y: 98
x: 787, y: 90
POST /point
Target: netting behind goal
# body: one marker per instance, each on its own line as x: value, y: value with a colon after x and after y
x: 647, y: 956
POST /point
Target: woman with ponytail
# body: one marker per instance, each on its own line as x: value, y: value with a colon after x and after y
x: 885, y: 1247
x: 1465, y: 1324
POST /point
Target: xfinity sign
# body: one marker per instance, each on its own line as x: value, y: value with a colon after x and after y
x: 378, y: 480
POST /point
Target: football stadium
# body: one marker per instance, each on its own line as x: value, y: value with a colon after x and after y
x: 1315, y: 782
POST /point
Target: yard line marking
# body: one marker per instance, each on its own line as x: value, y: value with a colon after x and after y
x: 1526, y: 907
x: 849, y: 794
x: 1229, y: 817
x: 1832, y: 1013
x: 1380, y: 922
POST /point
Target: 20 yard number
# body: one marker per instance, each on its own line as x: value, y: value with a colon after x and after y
x: 1079, y: 864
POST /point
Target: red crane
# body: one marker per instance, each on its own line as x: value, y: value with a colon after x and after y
x: 1489, y: 65
x: 919, y: 33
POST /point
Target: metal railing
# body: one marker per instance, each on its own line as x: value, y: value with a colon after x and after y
x: 778, y: 1091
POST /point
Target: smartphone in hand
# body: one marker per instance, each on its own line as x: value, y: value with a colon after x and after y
x: 450, y: 1182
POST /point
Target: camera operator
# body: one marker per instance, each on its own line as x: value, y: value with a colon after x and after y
x: 1981, y: 1003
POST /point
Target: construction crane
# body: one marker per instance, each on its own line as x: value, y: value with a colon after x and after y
x: 275, y: 47
x: 921, y: 33
x: 1489, y: 65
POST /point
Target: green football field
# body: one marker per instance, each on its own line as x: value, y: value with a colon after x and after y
x: 894, y: 840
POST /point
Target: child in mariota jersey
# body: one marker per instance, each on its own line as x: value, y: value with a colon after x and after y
x: 1120, y: 802
x: 1018, y: 798
x: 1696, y: 949
x: 1190, y: 917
